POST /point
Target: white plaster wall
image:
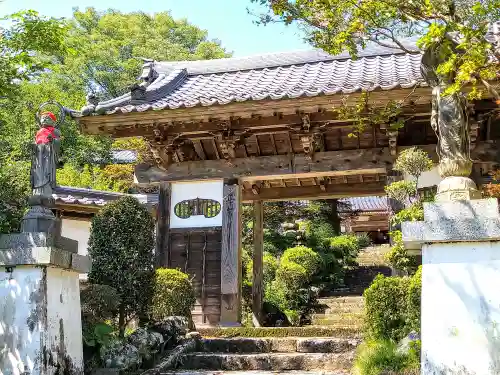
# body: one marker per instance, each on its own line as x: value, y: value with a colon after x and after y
x: 427, y: 179
x: 78, y: 230
x: 19, y: 345
x: 461, y: 308
x: 190, y: 190
x: 64, y: 325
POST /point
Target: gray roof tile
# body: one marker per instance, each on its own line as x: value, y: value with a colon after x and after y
x: 89, y: 197
x: 269, y: 77
x: 368, y: 204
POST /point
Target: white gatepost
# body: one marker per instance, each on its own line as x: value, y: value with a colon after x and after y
x: 460, y: 243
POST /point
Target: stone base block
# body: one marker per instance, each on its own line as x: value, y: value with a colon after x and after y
x: 460, y: 308
x: 41, y: 330
x: 41, y: 249
x: 458, y: 221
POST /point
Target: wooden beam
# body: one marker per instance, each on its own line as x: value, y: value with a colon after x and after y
x: 185, y: 119
x: 331, y: 191
x: 162, y: 226
x: 272, y: 167
x: 258, y: 263
x: 230, y: 256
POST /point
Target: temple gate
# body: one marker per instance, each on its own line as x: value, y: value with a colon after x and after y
x: 266, y: 128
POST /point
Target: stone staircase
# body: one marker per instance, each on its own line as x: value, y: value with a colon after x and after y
x: 269, y: 355
x: 343, y: 311
x: 344, y: 307
x: 326, y: 347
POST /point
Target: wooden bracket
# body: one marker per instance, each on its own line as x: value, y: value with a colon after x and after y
x: 393, y: 138
x: 306, y: 122
x: 228, y: 149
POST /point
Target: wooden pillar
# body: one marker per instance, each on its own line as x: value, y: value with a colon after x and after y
x: 231, y: 256
x: 163, y: 226
x: 258, y: 263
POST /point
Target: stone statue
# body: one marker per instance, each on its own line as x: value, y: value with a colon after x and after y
x: 449, y: 120
x: 44, y: 161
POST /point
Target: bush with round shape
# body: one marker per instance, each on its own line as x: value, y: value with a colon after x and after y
x: 270, y: 266
x: 386, y: 308
x: 344, y: 248
x: 292, y: 275
x: 305, y: 257
x: 173, y: 295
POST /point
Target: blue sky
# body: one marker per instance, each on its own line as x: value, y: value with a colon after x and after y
x: 226, y: 20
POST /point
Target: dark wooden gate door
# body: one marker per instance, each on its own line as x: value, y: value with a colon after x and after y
x: 197, y: 252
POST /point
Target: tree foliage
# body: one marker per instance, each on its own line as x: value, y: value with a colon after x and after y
x: 28, y: 45
x: 121, y: 246
x: 64, y: 59
x: 457, y: 27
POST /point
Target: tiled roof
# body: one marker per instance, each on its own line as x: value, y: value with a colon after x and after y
x: 89, y: 197
x: 368, y: 204
x: 123, y: 156
x: 171, y: 85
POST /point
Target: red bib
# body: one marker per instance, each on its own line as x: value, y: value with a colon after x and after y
x: 42, y: 136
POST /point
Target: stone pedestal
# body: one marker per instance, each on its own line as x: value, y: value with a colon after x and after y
x: 460, y: 246
x: 40, y: 317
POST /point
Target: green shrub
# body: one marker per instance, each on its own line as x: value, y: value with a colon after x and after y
x: 345, y: 247
x: 173, y: 294
x: 398, y: 256
x: 99, y: 303
x: 413, y: 213
x: 291, y: 274
x: 414, y: 301
x: 386, y: 308
x: 304, y: 257
x: 296, y: 302
x: 121, y: 246
x: 270, y: 248
x: 382, y: 357
x: 402, y: 191
x: 270, y: 266
x: 316, y: 232
x: 364, y: 240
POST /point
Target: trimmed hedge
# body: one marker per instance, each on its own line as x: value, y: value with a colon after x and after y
x: 173, y: 294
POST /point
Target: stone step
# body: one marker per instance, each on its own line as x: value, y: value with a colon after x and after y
x: 218, y: 372
x: 347, y: 300
x: 268, y: 361
x: 341, y: 308
x: 277, y: 345
x: 277, y: 332
x: 335, y: 321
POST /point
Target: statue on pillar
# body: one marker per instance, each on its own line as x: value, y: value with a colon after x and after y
x: 450, y: 121
x: 45, y: 150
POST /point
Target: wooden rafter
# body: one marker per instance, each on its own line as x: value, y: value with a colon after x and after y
x: 198, y: 146
x: 273, y: 142
x: 315, y: 192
